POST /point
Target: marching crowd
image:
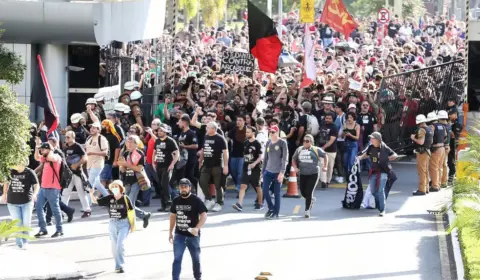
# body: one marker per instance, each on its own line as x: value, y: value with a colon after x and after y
x: 255, y: 129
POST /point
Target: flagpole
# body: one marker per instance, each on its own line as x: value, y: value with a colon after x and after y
x: 269, y: 8
x: 280, y: 19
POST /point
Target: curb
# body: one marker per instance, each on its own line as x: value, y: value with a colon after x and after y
x: 457, y: 253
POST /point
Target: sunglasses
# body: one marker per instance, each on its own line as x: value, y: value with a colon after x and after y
x: 306, y: 141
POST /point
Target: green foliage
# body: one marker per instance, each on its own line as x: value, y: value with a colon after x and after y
x: 9, y: 229
x: 212, y: 11
x: 14, y: 122
x: 366, y: 8
x: 190, y: 6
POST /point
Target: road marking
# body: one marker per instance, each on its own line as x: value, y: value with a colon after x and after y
x: 296, y: 210
x: 443, y: 248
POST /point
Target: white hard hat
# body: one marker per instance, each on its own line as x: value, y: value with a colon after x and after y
x: 432, y: 116
x: 127, y: 110
x: 136, y: 95
x: 420, y: 119
x: 91, y: 101
x: 99, y: 96
x: 75, y: 118
x: 131, y: 85
x: 120, y: 107
x: 442, y: 115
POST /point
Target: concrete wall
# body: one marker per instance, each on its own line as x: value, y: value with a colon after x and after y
x: 23, y: 89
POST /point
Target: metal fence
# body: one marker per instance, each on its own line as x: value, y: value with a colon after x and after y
x: 403, y: 96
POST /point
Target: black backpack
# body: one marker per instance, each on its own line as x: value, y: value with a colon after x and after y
x: 64, y: 175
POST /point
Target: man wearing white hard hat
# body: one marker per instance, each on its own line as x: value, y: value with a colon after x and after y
x: 120, y: 109
x: 437, y: 149
x: 100, y: 98
x: 91, y: 115
x: 81, y: 133
x: 443, y: 120
x: 422, y: 140
x: 136, y: 116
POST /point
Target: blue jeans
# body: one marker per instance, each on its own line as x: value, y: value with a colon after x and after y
x: 380, y: 193
x: 94, y: 180
x: 118, y: 229
x: 106, y: 174
x: 180, y: 242
x: 52, y: 197
x: 132, y: 192
x: 152, y: 176
x: 236, y: 169
x: 271, y: 178
x: 22, y: 213
x: 351, y: 151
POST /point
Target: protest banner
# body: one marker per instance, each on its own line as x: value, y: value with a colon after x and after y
x: 237, y: 63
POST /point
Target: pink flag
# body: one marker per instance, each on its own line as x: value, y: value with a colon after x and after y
x: 309, y: 71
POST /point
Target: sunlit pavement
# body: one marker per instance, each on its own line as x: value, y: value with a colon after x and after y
x: 333, y: 244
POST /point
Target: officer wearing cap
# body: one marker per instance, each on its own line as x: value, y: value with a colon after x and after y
x: 443, y: 120
x: 136, y: 114
x: 422, y: 140
x: 91, y: 114
x: 438, y: 151
x: 188, y: 215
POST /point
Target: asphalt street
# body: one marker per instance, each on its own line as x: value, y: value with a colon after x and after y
x: 333, y: 244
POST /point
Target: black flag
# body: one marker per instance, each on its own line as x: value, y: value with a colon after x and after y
x: 354, y: 192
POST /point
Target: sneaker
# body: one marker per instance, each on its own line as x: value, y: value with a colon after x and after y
x: 339, y: 179
x: 86, y: 214
x: 119, y: 270
x: 258, y: 207
x: 49, y: 223
x: 209, y: 204
x: 167, y: 208
x: 307, y: 214
x: 237, y: 207
x: 273, y: 217
x: 70, y: 215
x: 323, y: 185
x: 444, y: 186
x: 146, y: 217
x: 382, y: 214
x: 217, y: 208
x: 40, y: 234
x: 161, y: 209
x: 57, y: 234
x: 268, y: 214
x: 417, y: 193
x: 432, y: 189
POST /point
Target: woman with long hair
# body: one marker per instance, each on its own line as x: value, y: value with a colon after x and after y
x: 351, y: 133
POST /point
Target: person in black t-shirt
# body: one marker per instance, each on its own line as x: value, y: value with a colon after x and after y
x: 368, y: 124
x: 188, y: 141
x: 213, y: 156
x: 251, y: 169
x: 188, y: 215
x: 113, y: 138
x: 131, y: 165
x: 165, y: 156
x: 19, y: 193
x: 237, y: 137
x: 118, y: 204
x: 327, y: 140
x: 76, y: 157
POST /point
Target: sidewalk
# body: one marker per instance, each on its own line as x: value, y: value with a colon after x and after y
x: 27, y: 264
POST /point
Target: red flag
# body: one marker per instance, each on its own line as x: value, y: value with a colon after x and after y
x: 264, y: 43
x: 336, y: 16
x: 309, y: 69
x: 42, y: 97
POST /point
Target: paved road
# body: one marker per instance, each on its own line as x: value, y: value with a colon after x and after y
x: 333, y: 244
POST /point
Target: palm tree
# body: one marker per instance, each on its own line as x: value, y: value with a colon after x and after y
x: 10, y: 229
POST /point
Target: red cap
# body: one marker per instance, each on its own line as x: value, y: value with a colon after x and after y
x: 274, y: 128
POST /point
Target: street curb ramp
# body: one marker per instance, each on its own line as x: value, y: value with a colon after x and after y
x: 31, y: 265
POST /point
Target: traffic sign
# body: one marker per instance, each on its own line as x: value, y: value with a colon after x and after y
x: 383, y: 15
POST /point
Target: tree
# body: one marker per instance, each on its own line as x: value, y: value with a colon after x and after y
x: 14, y: 122
x: 212, y: 11
x: 365, y: 8
x: 191, y: 8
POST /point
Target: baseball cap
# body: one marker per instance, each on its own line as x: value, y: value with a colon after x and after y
x: 184, y: 182
x: 376, y: 135
x: 45, y: 145
x: 274, y: 128
x: 352, y: 106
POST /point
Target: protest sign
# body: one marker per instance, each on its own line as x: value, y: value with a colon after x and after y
x: 237, y: 63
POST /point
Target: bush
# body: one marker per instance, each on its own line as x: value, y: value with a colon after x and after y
x: 9, y: 229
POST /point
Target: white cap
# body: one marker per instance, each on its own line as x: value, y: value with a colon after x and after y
x: 420, y: 119
x: 127, y: 110
x: 120, y: 107
x: 131, y: 85
x: 75, y: 118
x: 442, y: 115
x: 99, y: 96
x: 136, y: 95
x: 91, y: 101
x: 352, y: 106
x: 432, y: 116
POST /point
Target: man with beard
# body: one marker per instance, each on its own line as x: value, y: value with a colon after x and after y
x: 188, y: 141
x: 327, y: 141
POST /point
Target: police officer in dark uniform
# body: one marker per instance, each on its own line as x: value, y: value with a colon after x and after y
x: 443, y: 120
x: 100, y: 98
x: 136, y: 116
x: 422, y: 140
x: 456, y: 129
x: 438, y: 151
x: 92, y: 103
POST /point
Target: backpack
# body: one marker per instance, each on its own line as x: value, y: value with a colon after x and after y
x: 107, y: 157
x: 313, y: 127
x: 64, y: 175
